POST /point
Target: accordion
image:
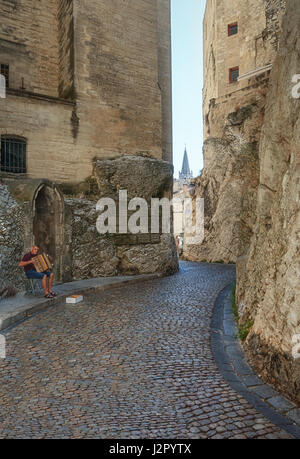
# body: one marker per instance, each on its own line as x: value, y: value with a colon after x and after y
x: 42, y: 263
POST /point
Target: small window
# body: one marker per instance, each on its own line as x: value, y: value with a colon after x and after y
x: 4, y: 70
x: 13, y: 155
x: 233, y: 29
x: 234, y: 74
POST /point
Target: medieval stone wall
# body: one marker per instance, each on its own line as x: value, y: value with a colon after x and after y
x: 164, y: 76
x: 46, y: 124
x: 99, y: 86
x: 65, y: 226
x: 66, y: 49
x: 228, y: 185
x: 233, y: 116
x: 268, y: 275
x: 12, y: 228
x: 252, y: 48
x: 110, y: 60
x: 29, y: 44
x: 94, y: 255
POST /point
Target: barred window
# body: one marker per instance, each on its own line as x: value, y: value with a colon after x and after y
x: 4, y: 70
x: 13, y: 155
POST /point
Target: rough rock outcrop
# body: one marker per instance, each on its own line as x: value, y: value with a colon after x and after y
x: 141, y: 176
x: 228, y: 185
x: 149, y: 258
x: 94, y: 255
x: 11, y: 241
x: 268, y: 276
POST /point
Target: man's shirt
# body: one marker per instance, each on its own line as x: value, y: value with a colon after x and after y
x: 28, y: 257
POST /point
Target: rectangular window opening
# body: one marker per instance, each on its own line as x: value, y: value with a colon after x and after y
x: 233, y: 29
x: 13, y: 155
x: 234, y: 74
x: 4, y: 70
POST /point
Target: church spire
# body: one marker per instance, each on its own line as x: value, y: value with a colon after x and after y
x: 186, y: 173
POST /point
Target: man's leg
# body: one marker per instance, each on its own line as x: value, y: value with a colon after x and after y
x: 39, y: 276
x: 44, y: 284
x: 51, y: 278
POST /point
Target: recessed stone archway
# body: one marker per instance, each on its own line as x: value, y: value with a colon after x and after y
x: 48, y: 224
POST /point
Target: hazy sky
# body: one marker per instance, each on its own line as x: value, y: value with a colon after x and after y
x: 187, y: 55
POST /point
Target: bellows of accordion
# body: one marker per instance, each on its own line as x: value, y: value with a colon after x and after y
x: 42, y: 263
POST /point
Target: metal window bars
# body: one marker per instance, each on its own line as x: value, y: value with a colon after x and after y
x: 13, y: 155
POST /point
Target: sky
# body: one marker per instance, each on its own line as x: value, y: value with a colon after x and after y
x: 187, y: 71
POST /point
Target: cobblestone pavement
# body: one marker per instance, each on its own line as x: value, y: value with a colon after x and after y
x: 131, y: 362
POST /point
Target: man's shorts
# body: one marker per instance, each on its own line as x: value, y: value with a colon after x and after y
x: 35, y: 275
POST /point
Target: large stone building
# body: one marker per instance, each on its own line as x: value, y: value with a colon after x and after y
x: 240, y: 44
x: 86, y: 79
x: 88, y: 103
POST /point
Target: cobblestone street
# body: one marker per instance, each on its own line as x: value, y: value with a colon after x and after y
x: 131, y: 362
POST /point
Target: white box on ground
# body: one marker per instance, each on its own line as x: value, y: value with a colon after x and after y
x: 74, y: 299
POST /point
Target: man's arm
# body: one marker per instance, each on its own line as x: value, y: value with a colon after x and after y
x: 24, y: 263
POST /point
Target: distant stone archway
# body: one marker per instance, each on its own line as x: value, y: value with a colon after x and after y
x: 48, y: 224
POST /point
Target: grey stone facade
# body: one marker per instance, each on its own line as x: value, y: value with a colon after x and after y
x: 12, y: 222
x: 62, y: 221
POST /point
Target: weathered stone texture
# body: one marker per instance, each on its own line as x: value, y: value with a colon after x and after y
x: 141, y: 176
x: 149, y: 258
x: 29, y: 44
x: 228, y: 185
x: 12, y: 220
x: 95, y: 255
x: 275, y: 10
x: 164, y: 76
x: 66, y: 49
x: 249, y: 50
x: 110, y: 58
x: 233, y: 116
x: 268, y: 277
x: 92, y: 255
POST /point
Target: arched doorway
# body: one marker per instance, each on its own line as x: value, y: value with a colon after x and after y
x: 48, y: 224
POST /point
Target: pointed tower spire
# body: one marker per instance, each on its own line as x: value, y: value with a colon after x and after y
x: 186, y: 173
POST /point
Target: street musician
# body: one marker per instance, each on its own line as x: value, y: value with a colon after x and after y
x: 31, y: 271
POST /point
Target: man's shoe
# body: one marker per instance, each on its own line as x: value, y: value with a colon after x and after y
x: 48, y: 296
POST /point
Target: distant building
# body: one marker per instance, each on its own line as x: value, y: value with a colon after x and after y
x: 182, y: 189
x: 186, y: 174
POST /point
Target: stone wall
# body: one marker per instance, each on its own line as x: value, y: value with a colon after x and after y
x: 275, y: 10
x: 268, y: 275
x: 164, y: 76
x: 64, y: 225
x: 12, y: 228
x: 66, y: 49
x: 117, y: 253
x: 247, y: 50
x: 95, y: 255
x: 228, y: 185
x: 97, y: 82
x: 233, y: 118
x: 29, y: 44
